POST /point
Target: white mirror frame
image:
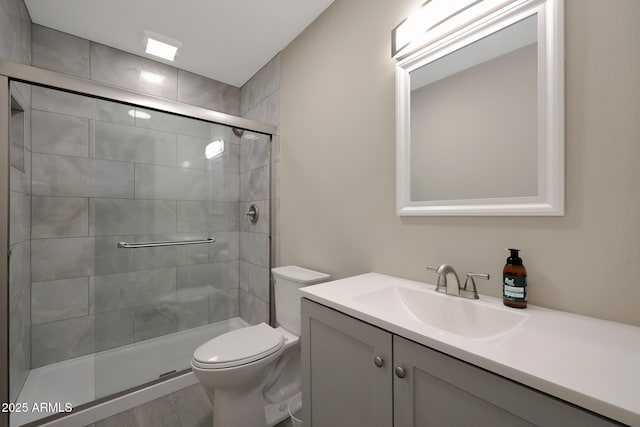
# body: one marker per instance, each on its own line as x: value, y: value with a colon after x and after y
x: 550, y: 200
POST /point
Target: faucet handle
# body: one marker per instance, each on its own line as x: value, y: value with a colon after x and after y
x: 472, y: 293
x: 441, y: 285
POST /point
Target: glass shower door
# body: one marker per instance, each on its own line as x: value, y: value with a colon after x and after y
x: 103, y: 177
x: 167, y: 252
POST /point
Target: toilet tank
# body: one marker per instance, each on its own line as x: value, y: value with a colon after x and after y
x: 287, y: 282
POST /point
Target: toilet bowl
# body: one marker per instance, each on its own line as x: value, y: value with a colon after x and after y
x: 254, y: 371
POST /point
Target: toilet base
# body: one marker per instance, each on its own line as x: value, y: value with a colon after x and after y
x: 233, y: 409
x: 227, y: 412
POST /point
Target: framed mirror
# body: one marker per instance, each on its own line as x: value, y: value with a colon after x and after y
x: 480, y: 114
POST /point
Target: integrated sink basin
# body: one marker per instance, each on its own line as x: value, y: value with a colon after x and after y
x: 473, y: 319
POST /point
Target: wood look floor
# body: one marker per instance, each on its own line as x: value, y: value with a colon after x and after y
x: 189, y: 407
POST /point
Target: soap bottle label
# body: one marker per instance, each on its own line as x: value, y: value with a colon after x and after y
x: 514, y: 288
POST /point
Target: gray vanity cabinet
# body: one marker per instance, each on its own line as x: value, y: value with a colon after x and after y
x: 344, y: 386
x: 439, y: 390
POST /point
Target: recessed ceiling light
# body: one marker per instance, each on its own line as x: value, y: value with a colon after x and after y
x: 161, y: 46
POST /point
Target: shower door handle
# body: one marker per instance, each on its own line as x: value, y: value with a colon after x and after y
x: 127, y: 245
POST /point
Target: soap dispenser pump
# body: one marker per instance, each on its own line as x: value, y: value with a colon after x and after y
x: 514, y: 282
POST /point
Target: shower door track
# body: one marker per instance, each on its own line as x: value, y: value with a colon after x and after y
x: 10, y: 71
x: 80, y: 86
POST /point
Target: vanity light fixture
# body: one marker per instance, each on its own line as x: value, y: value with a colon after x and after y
x: 214, y: 149
x: 436, y: 19
x: 161, y: 46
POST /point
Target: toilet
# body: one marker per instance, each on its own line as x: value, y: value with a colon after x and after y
x: 255, y: 371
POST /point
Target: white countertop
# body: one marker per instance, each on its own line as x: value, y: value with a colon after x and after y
x: 589, y: 362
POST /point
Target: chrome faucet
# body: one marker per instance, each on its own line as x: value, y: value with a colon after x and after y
x: 449, y: 284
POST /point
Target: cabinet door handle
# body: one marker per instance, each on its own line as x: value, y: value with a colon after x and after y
x: 378, y: 361
x: 400, y: 372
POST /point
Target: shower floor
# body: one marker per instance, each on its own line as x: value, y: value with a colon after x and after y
x: 84, y: 379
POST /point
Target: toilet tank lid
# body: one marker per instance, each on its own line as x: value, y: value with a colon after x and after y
x: 299, y: 274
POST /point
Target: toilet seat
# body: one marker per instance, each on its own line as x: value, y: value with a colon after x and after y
x: 238, y: 347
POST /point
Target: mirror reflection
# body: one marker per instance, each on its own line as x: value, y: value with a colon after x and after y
x: 474, y: 119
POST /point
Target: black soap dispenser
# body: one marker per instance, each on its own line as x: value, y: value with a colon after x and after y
x: 514, y: 282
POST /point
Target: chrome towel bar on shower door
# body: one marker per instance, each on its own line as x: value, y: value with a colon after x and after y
x: 127, y: 245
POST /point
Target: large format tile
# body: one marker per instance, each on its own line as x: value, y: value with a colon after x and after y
x: 170, y: 183
x: 252, y: 309
x: 113, y: 329
x: 267, y: 110
x: 254, y: 154
x: 129, y: 216
x: 223, y: 305
x: 19, y: 316
x: 225, y: 186
x: 118, y: 68
x: 254, y: 248
x: 56, y: 101
x: 59, y: 300
x: 114, y: 112
x: 109, y: 258
x: 166, y: 318
x: 15, y: 39
x: 262, y: 84
x: 14, y: 9
x: 171, y: 123
x: 125, y: 290
x: 59, y: 134
x: 191, y: 154
x: 226, y: 247
x: 208, y: 216
x: 75, y: 176
x: 207, y: 93
x: 61, y: 258
x: 59, y: 217
x: 58, y: 341
x: 189, y: 407
x: 254, y: 185
x: 21, y: 180
x: 19, y: 217
x: 61, y: 52
x: 259, y: 281
x: 131, y: 144
x: 171, y: 256
x: 205, y: 278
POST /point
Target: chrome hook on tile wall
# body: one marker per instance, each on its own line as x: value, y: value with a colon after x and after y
x: 253, y: 214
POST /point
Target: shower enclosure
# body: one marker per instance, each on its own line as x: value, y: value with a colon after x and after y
x: 125, y: 220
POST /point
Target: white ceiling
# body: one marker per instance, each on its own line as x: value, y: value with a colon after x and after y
x: 226, y: 40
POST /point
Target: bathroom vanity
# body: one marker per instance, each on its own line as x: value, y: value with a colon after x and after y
x: 373, y: 357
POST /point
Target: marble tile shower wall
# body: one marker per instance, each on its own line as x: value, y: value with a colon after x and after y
x: 100, y: 176
x: 101, y: 191
x: 20, y: 240
x: 15, y: 45
x: 259, y: 100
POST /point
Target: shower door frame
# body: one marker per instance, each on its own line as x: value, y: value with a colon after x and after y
x: 10, y: 71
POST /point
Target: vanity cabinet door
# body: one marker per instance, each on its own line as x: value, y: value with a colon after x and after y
x: 439, y: 390
x: 346, y: 366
